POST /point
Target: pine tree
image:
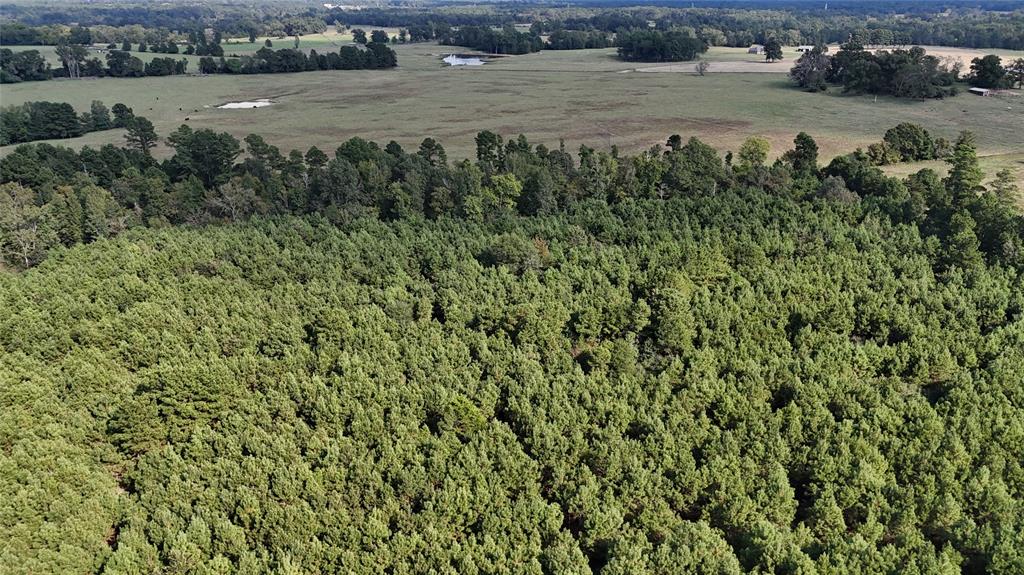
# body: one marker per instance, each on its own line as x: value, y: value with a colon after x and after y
x: 962, y: 245
x: 1005, y: 187
x: 141, y: 135
x: 965, y: 176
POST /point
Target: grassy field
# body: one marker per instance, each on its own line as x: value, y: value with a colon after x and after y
x: 329, y: 41
x: 989, y: 164
x: 576, y: 96
x: 50, y: 54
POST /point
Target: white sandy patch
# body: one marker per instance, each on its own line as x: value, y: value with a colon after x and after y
x: 453, y: 60
x: 261, y: 103
x: 720, y: 67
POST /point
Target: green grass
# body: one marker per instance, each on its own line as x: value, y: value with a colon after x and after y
x: 328, y: 41
x: 578, y: 96
x: 50, y: 54
x: 727, y: 54
x: 989, y: 164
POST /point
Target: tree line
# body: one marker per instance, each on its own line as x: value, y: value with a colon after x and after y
x: 506, y: 40
x: 871, y: 23
x: 203, y: 181
x: 57, y: 120
x: 798, y: 25
x: 199, y: 47
x: 899, y: 73
x: 145, y: 22
x: 658, y: 46
x: 562, y: 39
x: 633, y: 45
x: 372, y: 56
x: 29, y: 65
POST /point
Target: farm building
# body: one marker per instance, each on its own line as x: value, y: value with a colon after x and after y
x: 980, y: 91
x: 755, y: 49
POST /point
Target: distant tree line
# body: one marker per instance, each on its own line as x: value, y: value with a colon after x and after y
x: 23, y: 66
x: 29, y: 65
x: 658, y: 46
x: 194, y: 47
x: 506, y: 40
x: 52, y: 120
x: 17, y: 34
x: 997, y: 25
x: 724, y: 25
x: 372, y: 56
x: 158, y: 47
x: 793, y: 26
x: 151, y: 23
x: 503, y: 41
x: 425, y: 23
x: 577, y: 40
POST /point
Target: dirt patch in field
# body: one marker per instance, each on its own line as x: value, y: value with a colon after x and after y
x: 708, y: 125
x: 607, y: 106
x: 617, y: 127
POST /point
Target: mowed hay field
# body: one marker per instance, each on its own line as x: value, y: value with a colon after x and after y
x: 581, y: 97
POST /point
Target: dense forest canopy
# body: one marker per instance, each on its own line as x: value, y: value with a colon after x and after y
x: 536, y: 362
x: 237, y: 359
x: 724, y: 384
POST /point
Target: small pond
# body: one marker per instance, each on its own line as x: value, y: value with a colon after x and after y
x: 458, y: 60
x: 261, y: 103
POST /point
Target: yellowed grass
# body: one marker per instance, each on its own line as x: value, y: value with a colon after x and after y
x: 575, y: 96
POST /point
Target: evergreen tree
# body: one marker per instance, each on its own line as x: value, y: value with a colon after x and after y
x: 122, y: 115
x: 965, y: 176
x: 141, y: 136
x: 804, y: 155
x: 100, y: 116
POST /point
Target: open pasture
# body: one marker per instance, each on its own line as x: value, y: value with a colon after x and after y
x: 50, y: 54
x: 989, y: 164
x: 330, y: 40
x: 576, y: 96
